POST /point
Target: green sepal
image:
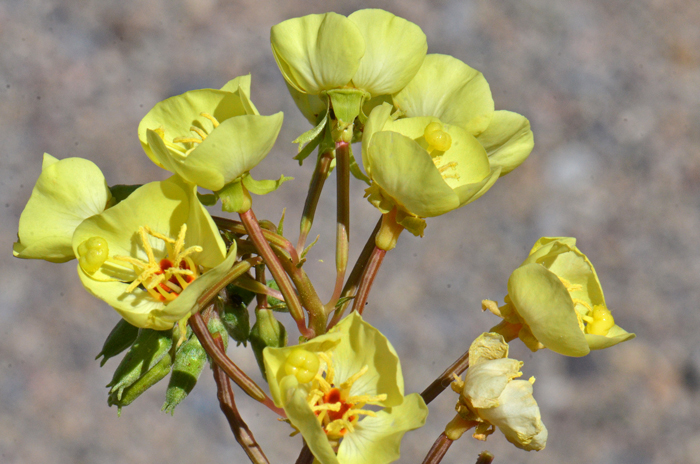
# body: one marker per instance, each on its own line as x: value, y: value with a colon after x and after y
x: 189, y: 363
x: 267, y: 331
x: 120, y: 192
x: 217, y: 328
x: 120, y: 338
x: 209, y: 199
x: 147, y: 351
x: 146, y: 381
x: 238, y: 293
x: 305, y: 251
x: 346, y: 105
x: 235, y: 318
x: 310, y: 139
x: 235, y: 198
x: 263, y: 187
x: 276, y: 304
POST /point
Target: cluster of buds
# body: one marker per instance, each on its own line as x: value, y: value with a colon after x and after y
x: 182, y: 280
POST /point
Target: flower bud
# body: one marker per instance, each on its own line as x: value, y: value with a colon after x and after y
x: 120, y: 338
x: 149, y: 348
x: 154, y: 375
x: 189, y: 363
x: 267, y: 331
x: 233, y: 311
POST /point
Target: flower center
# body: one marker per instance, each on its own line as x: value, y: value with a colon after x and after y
x: 598, y: 318
x: 336, y: 409
x: 183, y: 146
x: 163, y: 279
x: 439, y: 141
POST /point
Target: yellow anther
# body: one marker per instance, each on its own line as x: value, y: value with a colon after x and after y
x: 213, y: 120
x: 199, y: 132
x: 601, y: 321
x: 92, y: 253
x: 436, y: 137
x: 303, y: 365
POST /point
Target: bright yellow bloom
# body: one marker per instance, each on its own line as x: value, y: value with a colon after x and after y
x: 326, y: 384
x: 555, y: 300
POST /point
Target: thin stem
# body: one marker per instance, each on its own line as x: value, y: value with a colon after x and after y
x: 355, y: 276
x: 342, y: 235
x: 273, y: 263
x: 318, y: 179
x: 437, y: 452
x: 445, y: 379
x: 199, y: 327
x: 278, y: 241
x: 240, y: 429
x: 235, y: 272
x: 375, y: 261
x: 305, y: 456
x: 261, y: 299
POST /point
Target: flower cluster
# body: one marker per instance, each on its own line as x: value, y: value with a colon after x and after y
x: 182, y: 280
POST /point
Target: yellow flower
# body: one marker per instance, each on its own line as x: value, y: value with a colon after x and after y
x: 325, y: 384
x: 555, y: 300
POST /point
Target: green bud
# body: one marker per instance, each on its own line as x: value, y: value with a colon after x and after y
x: 189, y: 363
x: 154, y: 375
x: 235, y: 292
x: 267, y: 331
x: 235, y: 318
x: 120, y: 338
x: 147, y: 351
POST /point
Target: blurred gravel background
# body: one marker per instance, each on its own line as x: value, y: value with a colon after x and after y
x: 612, y: 89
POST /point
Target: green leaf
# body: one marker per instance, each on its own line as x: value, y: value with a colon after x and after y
x: 263, y: 187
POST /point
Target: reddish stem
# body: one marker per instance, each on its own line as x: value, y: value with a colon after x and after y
x: 375, y: 261
x: 240, y: 429
x: 445, y: 379
x: 437, y: 452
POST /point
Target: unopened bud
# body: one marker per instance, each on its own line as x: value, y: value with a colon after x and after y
x: 120, y: 338
x: 189, y: 363
x: 267, y: 331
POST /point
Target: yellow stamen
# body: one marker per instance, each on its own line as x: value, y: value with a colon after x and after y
x: 211, y: 118
x: 186, y: 140
x: 199, y: 132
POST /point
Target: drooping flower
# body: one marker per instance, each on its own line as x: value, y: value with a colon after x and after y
x: 209, y: 137
x: 490, y: 397
x: 325, y: 384
x: 153, y: 254
x: 456, y: 94
x: 555, y: 300
x: 67, y: 192
x: 371, y: 51
x: 422, y: 167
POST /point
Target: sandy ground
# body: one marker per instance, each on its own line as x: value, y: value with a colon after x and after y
x: 612, y: 89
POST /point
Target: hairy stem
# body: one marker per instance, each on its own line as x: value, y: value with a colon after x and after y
x: 240, y: 429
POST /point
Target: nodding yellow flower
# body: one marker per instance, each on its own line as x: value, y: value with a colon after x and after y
x: 326, y: 385
x: 555, y: 301
x: 153, y: 254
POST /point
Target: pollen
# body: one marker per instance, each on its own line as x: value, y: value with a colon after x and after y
x: 166, y: 278
x: 600, y: 321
